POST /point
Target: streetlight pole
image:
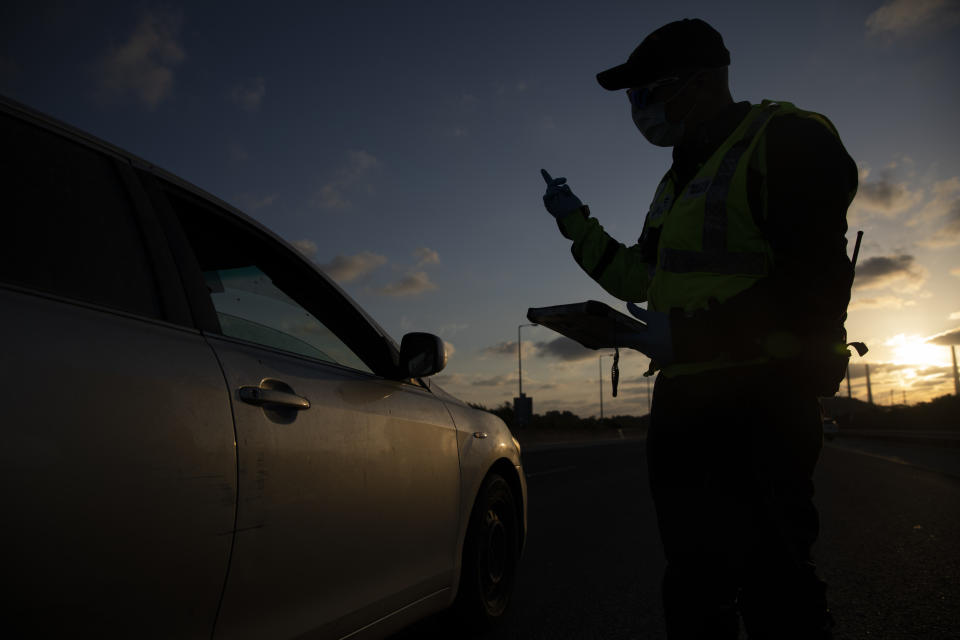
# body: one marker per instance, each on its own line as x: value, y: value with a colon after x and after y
x: 520, y: 360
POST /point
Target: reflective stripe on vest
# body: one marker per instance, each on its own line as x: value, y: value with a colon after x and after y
x: 714, y: 257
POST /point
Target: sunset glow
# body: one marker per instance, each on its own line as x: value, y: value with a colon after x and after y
x: 915, y: 350
x: 402, y: 155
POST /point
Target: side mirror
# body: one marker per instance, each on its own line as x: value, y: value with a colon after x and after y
x: 421, y: 355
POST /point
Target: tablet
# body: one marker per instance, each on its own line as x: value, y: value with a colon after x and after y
x: 593, y: 324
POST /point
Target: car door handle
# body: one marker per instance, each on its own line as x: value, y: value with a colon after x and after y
x: 260, y: 396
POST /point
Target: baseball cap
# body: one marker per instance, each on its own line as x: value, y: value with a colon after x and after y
x: 678, y: 46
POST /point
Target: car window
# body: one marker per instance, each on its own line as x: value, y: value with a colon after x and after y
x: 69, y: 224
x: 261, y: 293
x: 251, y: 307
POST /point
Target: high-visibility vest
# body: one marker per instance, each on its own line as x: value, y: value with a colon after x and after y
x: 710, y: 247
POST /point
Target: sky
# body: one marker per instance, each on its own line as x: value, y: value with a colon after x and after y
x: 399, y: 145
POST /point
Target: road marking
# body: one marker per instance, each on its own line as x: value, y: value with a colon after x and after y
x: 549, y: 471
x: 896, y: 459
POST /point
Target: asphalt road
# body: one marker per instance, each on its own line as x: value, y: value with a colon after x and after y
x: 889, y: 548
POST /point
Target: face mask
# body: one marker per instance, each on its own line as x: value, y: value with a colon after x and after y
x: 652, y: 123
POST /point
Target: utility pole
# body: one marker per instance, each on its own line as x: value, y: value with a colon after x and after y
x: 849, y: 393
x: 956, y: 377
x: 869, y: 388
x: 600, y: 371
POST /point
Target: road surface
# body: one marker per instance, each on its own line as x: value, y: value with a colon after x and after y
x: 889, y: 546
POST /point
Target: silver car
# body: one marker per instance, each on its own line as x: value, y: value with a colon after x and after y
x: 203, y: 436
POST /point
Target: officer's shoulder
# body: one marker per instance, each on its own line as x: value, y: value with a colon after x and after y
x: 800, y: 124
x: 803, y: 132
x: 805, y: 138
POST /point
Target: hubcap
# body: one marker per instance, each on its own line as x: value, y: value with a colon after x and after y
x: 496, y: 547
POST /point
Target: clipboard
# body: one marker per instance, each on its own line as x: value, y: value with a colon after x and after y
x: 592, y: 324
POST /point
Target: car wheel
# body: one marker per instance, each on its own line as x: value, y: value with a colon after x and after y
x: 491, y: 553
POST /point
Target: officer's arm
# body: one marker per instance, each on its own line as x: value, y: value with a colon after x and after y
x: 802, y: 209
x: 617, y: 268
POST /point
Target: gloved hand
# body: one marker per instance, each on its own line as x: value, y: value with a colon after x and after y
x: 657, y: 341
x: 558, y: 199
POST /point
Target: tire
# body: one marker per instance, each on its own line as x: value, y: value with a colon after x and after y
x: 491, y: 555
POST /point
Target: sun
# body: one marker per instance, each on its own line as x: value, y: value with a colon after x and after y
x: 915, y: 350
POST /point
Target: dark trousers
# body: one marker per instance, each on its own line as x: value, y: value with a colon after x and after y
x: 731, y: 455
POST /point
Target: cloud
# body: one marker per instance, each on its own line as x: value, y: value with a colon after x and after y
x: 501, y: 349
x: 361, y: 162
x: 248, y: 95
x: 902, y: 17
x: 452, y: 329
x: 880, y: 302
x: 955, y: 315
x: 495, y: 381
x: 941, y: 210
x: 351, y: 175
x: 449, y: 349
x: 426, y: 256
x: 249, y: 202
x: 946, y: 338
x: 447, y: 379
x: 509, y: 348
x: 949, y: 234
x: 927, y: 383
x: 329, y: 197
x: 411, y: 284
x: 935, y: 371
x: 885, y: 196
x: 564, y: 349
x: 899, y: 271
x: 143, y: 65
x: 859, y: 370
x: 416, y: 281
x: 306, y: 247
x: 349, y: 268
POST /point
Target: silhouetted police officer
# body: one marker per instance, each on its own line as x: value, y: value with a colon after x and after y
x: 743, y: 264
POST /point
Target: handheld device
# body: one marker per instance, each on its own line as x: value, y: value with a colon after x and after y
x: 592, y: 324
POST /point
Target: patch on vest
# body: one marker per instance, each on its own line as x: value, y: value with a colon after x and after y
x: 658, y: 209
x: 697, y: 188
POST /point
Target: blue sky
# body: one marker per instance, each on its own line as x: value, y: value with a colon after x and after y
x: 399, y: 145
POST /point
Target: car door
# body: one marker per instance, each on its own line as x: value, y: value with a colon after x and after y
x: 349, y: 480
x: 118, y: 467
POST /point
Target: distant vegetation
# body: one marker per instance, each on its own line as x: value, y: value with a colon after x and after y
x: 941, y: 413
x: 566, y: 421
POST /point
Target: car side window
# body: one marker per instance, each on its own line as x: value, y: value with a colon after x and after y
x: 251, y: 307
x: 254, y: 289
x: 69, y: 224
